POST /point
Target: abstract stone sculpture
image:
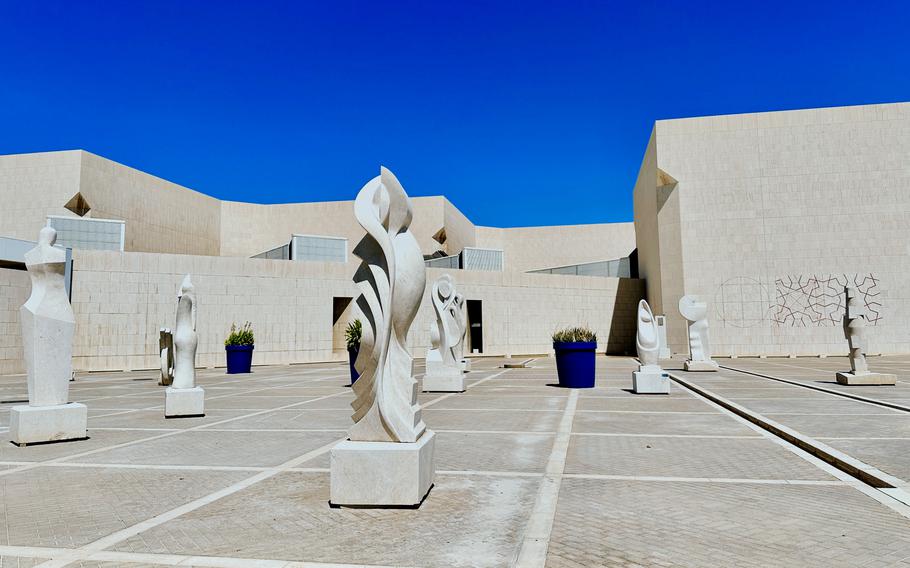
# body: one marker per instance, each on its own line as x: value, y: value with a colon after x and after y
x: 444, y: 372
x: 388, y: 458
x: 183, y: 398
x: 664, y: 352
x: 48, y: 325
x: 166, y: 353
x: 854, y: 323
x: 462, y: 318
x: 649, y: 378
x: 696, y: 312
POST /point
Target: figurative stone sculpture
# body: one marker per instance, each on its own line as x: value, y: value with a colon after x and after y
x: 388, y: 434
x: 649, y: 378
x: 48, y: 325
x: 183, y: 397
x: 444, y: 372
x: 166, y: 353
x: 696, y: 312
x: 854, y: 323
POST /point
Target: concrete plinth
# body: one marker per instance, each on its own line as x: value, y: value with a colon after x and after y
x: 650, y: 382
x: 184, y: 402
x: 442, y: 378
x: 866, y: 379
x: 382, y: 474
x: 58, y: 423
x: 465, y: 365
x: 696, y: 366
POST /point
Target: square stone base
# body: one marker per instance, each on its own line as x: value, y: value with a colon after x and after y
x: 866, y: 379
x: 650, y: 382
x: 184, y: 402
x: 382, y: 474
x: 440, y: 378
x: 34, y: 424
x: 465, y: 365
x: 695, y: 366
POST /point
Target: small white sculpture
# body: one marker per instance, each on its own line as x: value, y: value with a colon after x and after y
x: 166, y: 354
x: 854, y: 323
x: 443, y: 367
x: 664, y: 352
x: 650, y: 378
x: 388, y: 460
x: 48, y: 325
x: 462, y: 318
x: 183, y: 397
x: 696, y: 312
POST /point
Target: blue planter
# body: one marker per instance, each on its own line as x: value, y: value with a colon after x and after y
x: 352, y: 356
x: 239, y: 358
x: 575, y: 364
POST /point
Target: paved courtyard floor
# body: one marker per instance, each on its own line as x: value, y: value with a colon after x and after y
x: 528, y: 474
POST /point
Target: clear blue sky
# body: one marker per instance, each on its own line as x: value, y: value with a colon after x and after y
x: 522, y: 113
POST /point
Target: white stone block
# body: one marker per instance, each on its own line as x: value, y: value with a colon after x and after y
x: 184, y: 402
x: 866, y: 379
x: 466, y: 365
x: 694, y: 366
x: 382, y: 474
x: 58, y: 423
x: 650, y: 382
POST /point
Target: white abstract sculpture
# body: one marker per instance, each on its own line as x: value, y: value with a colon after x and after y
x: 444, y: 372
x: 855, y: 331
x: 664, y: 352
x: 183, y: 398
x: 166, y: 356
x: 696, y: 312
x: 462, y: 318
x: 48, y: 325
x: 388, y: 458
x: 649, y: 378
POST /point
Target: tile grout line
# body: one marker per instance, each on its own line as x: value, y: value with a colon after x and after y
x: 533, y: 549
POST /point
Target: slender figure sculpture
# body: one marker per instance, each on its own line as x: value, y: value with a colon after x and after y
x: 185, y: 339
x: 649, y: 378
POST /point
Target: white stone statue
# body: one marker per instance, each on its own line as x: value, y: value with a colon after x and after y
x: 388, y: 434
x: 183, y: 397
x: 855, y: 331
x: 48, y: 326
x: 166, y: 356
x: 650, y: 378
x: 443, y: 366
x: 462, y: 318
x: 696, y: 312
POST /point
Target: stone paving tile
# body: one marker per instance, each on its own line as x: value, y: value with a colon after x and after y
x: 740, y: 458
x: 672, y: 403
x: 219, y: 448
x: 773, y: 392
x: 97, y: 439
x: 260, y: 402
x: 493, y: 452
x: 813, y: 406
x: 19, y: 562
x: 519, y: 421
x: 893, y: 425
x: 890, y: 456
x: 469, y: 521
x: 660, y: 423
x: 472, y: 401
x: 693, y: 525
x: 156, y: 419
x: 95, y: 502
x: 302, y: 417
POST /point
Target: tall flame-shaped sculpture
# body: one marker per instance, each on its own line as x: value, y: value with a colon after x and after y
x: 388, y: 434
x: 444, y: 372
x: 649, y: 378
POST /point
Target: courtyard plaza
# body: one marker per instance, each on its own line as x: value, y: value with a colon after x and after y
x: 528, y: 474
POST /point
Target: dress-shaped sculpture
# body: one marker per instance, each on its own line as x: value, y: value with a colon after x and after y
x: 166, y: 356
x: 650, y: 378
x: 855, y: 332
x: 391, y: 280
x: 388, y: 459
x: 183, y: 398
x: 696, y: 312
x: 443, y: 365
x: 48, y: 325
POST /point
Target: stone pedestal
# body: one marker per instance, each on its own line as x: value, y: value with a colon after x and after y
x: 866, y: 379
x: 58, y: 423
x: 184, y: 402
x: 647, y: 381
x: 695, y: 366
x: 465, y: 365
x: 443, y: 378
x: 382, y: 474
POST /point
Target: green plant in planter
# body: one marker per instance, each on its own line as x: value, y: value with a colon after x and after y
x: 242, y: 336
x: 353, y: 333
x: 574, y: 335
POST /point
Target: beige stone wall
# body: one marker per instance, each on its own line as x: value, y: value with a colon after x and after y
x: 121, y: 300
x: 34, y: 186
x: 776, y: 211
x: 14, y: 291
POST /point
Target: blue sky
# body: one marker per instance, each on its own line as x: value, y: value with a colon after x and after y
x: 521, y: 113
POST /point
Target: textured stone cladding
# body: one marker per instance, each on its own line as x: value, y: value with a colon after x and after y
x: 121, y: 300
x: 14, y: 291
x: 767, y: 216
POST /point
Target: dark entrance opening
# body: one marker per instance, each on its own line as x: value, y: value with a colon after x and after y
x: 475, y: 326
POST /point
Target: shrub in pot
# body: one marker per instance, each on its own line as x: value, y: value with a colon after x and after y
x: 575, y: 348
x: 239, y: 349
x: 352, y: 338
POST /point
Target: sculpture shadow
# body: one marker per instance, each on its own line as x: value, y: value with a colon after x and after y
x: 621, y: 339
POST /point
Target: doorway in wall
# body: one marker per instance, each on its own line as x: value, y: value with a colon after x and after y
x: 342, y: 315
x: 475, y: 326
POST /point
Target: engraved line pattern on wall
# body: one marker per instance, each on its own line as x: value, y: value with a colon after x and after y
x: 817, y: 300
